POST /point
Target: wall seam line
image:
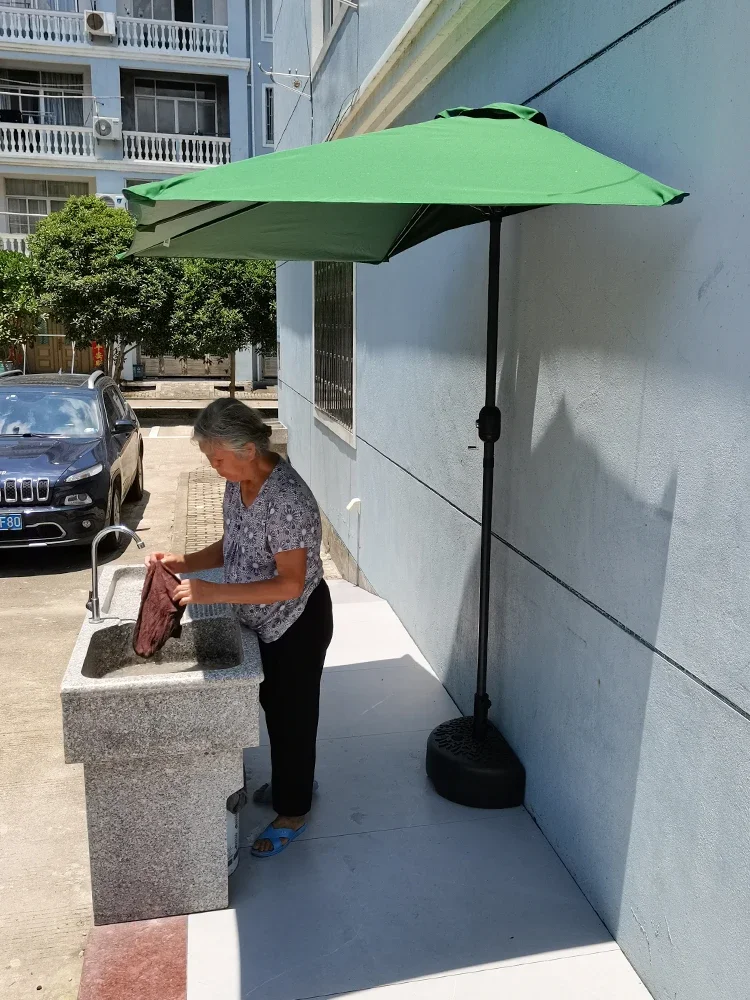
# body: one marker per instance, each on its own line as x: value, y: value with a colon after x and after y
x: 607, y: 48
x: 556, y: 579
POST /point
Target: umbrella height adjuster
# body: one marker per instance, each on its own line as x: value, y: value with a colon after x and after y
x: 488, y: 424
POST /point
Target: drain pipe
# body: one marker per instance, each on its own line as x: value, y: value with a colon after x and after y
x: 356, y: 502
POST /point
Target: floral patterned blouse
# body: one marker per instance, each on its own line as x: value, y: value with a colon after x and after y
x: 283, y: 517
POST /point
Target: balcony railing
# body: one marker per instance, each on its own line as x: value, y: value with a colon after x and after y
x: 135, y: 33
x: 64, y: 141
x: 41, y: 26
x: 142, y: 35
x: 15, y: 228
x: 12, y: 241
x: 195, y: 150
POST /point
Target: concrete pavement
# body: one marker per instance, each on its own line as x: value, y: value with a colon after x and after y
x: 395, y: 892
x: 392, y: 893
x: 45, y: 913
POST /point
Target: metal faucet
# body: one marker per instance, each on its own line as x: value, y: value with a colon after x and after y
x: 93, y: 602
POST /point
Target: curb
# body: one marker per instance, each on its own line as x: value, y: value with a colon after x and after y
x: 179, y: 525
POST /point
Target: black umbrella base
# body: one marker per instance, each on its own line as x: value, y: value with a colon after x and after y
x: 486, y: 774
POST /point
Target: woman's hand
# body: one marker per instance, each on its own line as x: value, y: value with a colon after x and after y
x: 172, y: 561
x: 197, y: 592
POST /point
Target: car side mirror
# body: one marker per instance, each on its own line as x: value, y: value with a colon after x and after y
x: 124, y: 426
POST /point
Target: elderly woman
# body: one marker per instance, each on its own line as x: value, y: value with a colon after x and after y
x: 274, y: 581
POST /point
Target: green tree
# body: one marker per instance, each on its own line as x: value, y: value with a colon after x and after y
x: 223, y: 306
x: 99, y: 298
x: 19, y: 303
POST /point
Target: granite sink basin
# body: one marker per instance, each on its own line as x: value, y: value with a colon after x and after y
x: 207, y: 644
x: 161, y: 742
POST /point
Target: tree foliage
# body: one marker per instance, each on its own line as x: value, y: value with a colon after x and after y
x: 19, y: 303
x: 98, y: 297
x: 223, y: 306
x: 188, y: 308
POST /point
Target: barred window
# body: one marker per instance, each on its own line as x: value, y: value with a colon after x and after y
x: 268, y: 138
x: 334, y: 341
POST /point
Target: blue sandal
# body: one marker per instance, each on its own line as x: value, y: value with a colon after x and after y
x: 275, y: 835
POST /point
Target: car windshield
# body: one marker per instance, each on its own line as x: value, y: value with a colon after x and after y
x: 40, y: 411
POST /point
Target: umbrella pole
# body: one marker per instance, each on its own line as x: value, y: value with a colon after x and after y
x: 468, y: 759
x: 488, y: 426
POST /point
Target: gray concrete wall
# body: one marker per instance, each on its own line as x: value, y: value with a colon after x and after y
x: 618, y: 653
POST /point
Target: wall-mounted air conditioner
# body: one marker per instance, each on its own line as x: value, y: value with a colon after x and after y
x: 113, y: 200
x: 107, y: 129
x: 100, y: 23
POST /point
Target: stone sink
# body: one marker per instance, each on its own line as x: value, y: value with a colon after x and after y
x: 208, y: 644
x: 161, y: 743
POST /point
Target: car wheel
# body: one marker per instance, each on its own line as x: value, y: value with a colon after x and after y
x: 136, y: 490
x: 111, y: 542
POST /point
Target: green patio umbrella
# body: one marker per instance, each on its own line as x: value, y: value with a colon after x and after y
x: 366, y: 199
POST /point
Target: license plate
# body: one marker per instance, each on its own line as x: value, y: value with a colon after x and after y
x: 11, y: 522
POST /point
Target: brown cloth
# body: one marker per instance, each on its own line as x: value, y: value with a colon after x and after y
x: 159, y: 615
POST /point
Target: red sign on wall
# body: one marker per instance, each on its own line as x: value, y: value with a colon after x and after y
x: 98, y: 353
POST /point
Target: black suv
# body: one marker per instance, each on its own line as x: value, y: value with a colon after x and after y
x: 70, y: 452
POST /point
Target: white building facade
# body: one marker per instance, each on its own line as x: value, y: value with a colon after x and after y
x: 98, y: 96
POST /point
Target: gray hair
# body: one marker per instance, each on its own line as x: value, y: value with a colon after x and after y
x: 228, y: 423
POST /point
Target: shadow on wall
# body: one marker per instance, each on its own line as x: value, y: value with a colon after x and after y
x: 569, y: 686
x: 569, y: 690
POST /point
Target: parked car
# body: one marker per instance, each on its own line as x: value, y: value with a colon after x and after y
x: 71, y: 452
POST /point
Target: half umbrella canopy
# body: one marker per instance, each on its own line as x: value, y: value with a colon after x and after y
x: 369, y: 197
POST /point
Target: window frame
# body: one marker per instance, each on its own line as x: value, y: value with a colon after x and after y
x: 331, y: 11
x: 126, y: 8
x: 322, y: 417
x: 16, y: 216
x: 266, y: 29
x: 175, y: 102
x: 268, y: 91
x: 45, y: 6
x: 52, y: 101
x: 329, y: 17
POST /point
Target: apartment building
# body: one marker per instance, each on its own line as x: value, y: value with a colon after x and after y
x: 97, y: 95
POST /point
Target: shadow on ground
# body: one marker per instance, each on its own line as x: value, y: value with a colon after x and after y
x: 391, y: 882
x: 54, y: 560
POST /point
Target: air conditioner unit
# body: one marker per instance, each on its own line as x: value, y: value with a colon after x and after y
x: 100, y: 23
x: 113, y: 200
x: 107, y: 129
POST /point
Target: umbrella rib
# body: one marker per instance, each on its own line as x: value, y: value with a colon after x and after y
x: 414, y: 219
x: 195, y: 211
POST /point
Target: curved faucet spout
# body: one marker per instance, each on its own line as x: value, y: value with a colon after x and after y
x: 93, y: 603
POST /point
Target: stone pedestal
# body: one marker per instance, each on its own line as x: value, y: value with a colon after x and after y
x: 158, y: 835
x: 161, y: 742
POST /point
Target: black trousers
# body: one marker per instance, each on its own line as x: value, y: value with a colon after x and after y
x: 290, y: 696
